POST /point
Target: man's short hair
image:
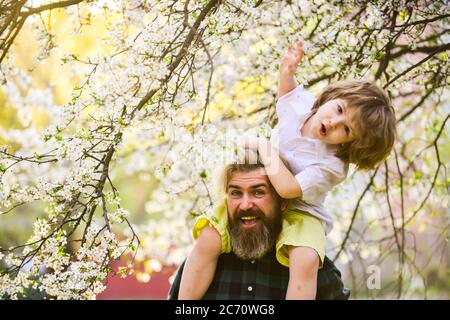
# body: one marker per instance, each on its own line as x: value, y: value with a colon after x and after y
x: 245, y: 165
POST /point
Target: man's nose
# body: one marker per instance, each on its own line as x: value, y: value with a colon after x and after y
x: 246, y: 203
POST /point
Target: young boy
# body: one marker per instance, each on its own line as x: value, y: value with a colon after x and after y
x: 349, y: 122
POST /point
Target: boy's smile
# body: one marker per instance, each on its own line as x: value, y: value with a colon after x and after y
x: 332, y: 123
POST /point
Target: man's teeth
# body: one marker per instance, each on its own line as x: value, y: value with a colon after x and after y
x: 248, y: 218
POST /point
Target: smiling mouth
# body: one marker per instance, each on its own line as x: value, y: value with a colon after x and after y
x: 249, y: 221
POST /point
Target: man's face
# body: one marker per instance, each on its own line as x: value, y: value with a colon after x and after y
x: 333, y: 122
x: 254, y: 211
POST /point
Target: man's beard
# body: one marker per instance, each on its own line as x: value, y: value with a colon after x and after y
x: 255, y: 242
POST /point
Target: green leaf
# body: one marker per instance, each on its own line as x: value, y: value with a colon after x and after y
x: 61, y: 252
x: 417, y: 175
x: 193, y: 213
x: 443, y: 56
x: 403, y: 15
x: 122, y: 272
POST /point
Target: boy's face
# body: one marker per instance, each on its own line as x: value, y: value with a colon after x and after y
x: 333, y: 122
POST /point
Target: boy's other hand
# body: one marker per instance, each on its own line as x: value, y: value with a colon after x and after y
x: 291, y: 59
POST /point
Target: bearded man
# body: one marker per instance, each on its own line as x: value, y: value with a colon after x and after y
x: 251, y: 271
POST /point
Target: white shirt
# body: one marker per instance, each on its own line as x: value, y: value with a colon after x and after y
x: 313, y: 162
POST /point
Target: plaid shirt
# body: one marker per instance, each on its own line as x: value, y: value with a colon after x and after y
x: 262, y: 279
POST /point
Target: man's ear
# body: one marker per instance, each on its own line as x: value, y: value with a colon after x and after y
x: 284, y: 204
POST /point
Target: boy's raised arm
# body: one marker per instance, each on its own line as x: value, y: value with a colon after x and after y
x: 288, y: 65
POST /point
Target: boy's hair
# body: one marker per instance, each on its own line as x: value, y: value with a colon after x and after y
x: 374, y: 121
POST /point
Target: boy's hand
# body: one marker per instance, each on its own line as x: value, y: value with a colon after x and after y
x: 259, y: 148
x: 291, y: 59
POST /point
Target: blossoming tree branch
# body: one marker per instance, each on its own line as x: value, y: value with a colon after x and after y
x: 164, y: 91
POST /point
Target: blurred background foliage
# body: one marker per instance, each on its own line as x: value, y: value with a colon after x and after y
x: 247, y: 99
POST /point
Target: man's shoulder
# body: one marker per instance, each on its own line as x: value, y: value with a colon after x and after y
x: 262, y: 278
